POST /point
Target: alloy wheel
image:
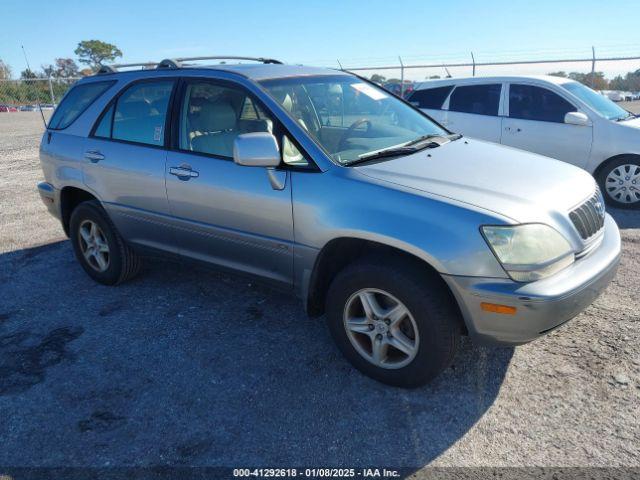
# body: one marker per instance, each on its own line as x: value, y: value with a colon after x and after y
x: 94, y: 246
x: 381, y: 328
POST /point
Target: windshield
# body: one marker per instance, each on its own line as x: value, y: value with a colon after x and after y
x: 350, y: 118
x: 599, y: 103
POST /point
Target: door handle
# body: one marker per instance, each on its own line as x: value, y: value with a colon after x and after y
x: 183, y: 173
x: 93, y: 155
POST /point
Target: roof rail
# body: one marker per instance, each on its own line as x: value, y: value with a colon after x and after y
x: 178, y: 62
x: 113, y: 68
x: 229, y: 57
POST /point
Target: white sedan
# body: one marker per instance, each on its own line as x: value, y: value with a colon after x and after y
x: 552, y: 116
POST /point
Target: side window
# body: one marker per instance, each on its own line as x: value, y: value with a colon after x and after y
x: 251, y: 111
x: 140, y: 113
x: 291, y: 155
x: 478, y: 99
x: 432, y: 98
x: 76, y: 102
x: 536, y: 103
x: 104, y: 127
x: 212, y: 116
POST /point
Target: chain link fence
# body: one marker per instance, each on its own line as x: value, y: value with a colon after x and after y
x: 24, y: 94
x: 400, y: 72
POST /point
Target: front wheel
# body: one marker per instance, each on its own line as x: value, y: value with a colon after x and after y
x: 619, y: 181
x: 393, y: 322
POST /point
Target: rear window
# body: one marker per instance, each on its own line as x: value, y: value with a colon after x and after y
x: 430, y: 97
x: 478, y: 99
x: 75, y: 102
x: 138, y: 114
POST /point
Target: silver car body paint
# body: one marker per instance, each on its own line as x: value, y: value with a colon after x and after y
x: 430, y: 204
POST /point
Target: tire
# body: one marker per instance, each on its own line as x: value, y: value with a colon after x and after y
x: 119, y: 262
x: 620, y: 173
x: 430, y: 309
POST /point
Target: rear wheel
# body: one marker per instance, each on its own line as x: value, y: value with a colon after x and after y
x: 98, y: 246
x: 393, y: 322
x: 619, y: 181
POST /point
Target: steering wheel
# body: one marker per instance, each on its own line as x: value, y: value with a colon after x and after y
x: 346, y: 135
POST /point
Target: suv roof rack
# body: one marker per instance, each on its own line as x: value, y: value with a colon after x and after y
x: 114, y: 68
x: 230, y: 57
x: 178, y: 62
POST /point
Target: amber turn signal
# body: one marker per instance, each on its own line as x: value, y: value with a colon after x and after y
x: 496, y: 308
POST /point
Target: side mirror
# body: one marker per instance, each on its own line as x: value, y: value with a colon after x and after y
x: 258, y: 149
x: 577, y: 118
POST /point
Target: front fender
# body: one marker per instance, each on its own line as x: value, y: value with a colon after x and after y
x: 442, y: 233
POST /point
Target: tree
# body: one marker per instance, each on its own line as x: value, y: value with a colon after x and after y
x: 65, y: 68
x: 95, y: 52
x: 28, y: 74
x: 630, y: 82
x: 48, y: 70
x: 5, y: 71
x: 559, y: 74
x: 618, y: 83
x: 594, y: 80
x: 379, y: 79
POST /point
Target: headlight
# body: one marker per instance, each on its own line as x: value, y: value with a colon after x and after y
x: 529, y: 252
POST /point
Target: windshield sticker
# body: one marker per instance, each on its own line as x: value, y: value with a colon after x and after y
x: 157, y: 134
x: 369, y: 91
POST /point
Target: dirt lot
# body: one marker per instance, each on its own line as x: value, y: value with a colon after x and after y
x: 189, y: 367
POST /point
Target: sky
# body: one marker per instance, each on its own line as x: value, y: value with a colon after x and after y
x: 355, y: 32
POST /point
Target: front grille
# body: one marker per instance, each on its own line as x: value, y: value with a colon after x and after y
x: 588, y: 218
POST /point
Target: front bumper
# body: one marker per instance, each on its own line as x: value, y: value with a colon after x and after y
x: 542, y: 305
x: 50, y: 197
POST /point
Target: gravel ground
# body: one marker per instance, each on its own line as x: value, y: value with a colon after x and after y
x: 189, y: 367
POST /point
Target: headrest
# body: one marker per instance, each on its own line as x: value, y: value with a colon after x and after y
x: 287, y: 103
x: 217, y: 116
x: 136, y: 109
x: 260, y: 125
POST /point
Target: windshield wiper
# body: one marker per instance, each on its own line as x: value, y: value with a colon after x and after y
x: 420, y: 143
x: 387, y: 152
x: 629, y: 115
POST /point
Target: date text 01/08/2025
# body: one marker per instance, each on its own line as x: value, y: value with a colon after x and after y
x: 316, y: 472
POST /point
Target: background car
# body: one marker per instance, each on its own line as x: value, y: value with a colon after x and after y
x: 395, y: 88
x: 552, y: 116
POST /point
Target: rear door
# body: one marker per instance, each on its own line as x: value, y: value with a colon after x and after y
x: 430, y: 100
x: 473, y: 110
x: 125, y: 162
x: 224, y: 213
x: 536, y: 123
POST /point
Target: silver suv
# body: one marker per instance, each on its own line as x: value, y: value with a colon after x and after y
x: 404, y: 234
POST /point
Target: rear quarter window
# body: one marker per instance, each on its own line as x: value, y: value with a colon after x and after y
x: 140, y: 112
x: 76, y: 102
x: 432, y: 98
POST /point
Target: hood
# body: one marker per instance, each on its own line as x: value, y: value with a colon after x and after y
x: 520, y: 185
x: 633, y: 122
